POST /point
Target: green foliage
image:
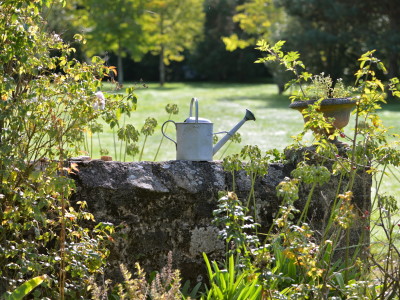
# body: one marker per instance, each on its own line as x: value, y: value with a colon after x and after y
x: 48, y: 98
x: 147, y: 130
x: 316, y: 29
x: 168, y: 35
x: 210, y: 59
x: 290, y: 62
x: 292, y: 261
x: 257, y: 19
x: 235, y: 138
x: 322, y: 87
x: 172, y: 26
x: 171, y: 109
x: 24, y: 289
x: 296, y: 262
x: 315, y: 87
x: 190, y: 294
x: 230, y: 282
x: 128, y: 133
x: 310, y: 174
x: 232, y: 164
x: 113, y: 28
x: 149, y: 126
x: 111, y: 107
x: 236, y: 224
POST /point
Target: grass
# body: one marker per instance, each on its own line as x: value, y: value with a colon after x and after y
x: 224, y: 104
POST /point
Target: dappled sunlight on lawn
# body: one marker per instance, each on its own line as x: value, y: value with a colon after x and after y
x: 224, y: 104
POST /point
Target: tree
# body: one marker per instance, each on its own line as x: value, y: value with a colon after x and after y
x: 172, y: 26
x: 316, y: 30
x: 258, y: 19
x: 210, y: 60
x: 331, y: 34
x: 379, y: 26
x: 113, y: 27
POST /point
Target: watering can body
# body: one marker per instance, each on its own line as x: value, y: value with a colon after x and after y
x: 194, y: 137
x: 194, y: 141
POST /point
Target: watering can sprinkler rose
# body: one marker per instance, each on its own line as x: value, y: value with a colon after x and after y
x: 194, y: 136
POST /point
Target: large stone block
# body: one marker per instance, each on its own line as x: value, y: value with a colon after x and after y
x: 168, y: 206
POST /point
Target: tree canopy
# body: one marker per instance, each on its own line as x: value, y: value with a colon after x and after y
x: 173, y: 26
x: 113, y: 28
x: 329, y: 34
x: 257, y: 19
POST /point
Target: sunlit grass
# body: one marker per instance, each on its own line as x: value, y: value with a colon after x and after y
x: 224, y: 104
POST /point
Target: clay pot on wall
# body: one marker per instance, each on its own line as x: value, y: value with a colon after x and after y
x: 337, y: 108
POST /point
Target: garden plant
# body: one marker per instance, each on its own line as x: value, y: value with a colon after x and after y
x: 48, y: 98
x: 292, y: 261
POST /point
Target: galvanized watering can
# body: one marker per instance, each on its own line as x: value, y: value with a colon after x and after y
x: 194, y: 136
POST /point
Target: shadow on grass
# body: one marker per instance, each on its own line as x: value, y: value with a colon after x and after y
x: 282, y: 101
x: 223, y: 85
x: 196, y: 85
x: 265, y: 100
x: 392, y: 106
x: 156, y: 87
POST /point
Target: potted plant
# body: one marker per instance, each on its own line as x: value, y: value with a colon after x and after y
x: 316, y: 94
x: 334, y: 101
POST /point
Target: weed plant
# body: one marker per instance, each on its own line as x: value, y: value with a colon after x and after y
x: 293, y: 261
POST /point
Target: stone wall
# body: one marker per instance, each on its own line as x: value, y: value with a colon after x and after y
x: 167, y: 206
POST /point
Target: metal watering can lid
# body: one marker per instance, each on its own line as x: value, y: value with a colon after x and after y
x: 195, y: 119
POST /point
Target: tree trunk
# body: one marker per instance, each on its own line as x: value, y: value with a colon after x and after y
x: 120, y: 65
x: 393, y: 65
x: 162, y: 67
x: 281, y: 88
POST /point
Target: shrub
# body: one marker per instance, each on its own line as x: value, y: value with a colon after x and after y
x: 47, y: 99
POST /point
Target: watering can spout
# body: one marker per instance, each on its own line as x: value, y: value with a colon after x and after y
x: 249, y: 116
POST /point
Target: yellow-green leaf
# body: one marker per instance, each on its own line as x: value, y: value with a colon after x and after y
x: 24, y: 289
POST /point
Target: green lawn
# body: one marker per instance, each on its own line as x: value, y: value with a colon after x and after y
x: 224, y: 104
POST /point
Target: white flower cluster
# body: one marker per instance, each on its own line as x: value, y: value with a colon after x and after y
x: 101, y: 102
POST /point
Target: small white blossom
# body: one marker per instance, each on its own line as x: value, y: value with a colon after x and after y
x: 101, y: 103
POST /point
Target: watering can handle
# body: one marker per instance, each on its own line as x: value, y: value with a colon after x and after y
x: 163, y: 133
x: 197, y: 108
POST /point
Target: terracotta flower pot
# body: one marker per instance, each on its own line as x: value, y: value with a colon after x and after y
x: 337, y: 108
